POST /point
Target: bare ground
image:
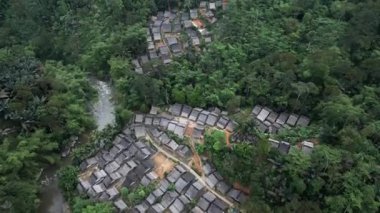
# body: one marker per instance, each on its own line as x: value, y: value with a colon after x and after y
x: 162, y: 165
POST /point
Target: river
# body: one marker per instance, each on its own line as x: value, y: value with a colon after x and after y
x: 51, y: 197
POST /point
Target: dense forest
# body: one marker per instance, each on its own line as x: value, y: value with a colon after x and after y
x: 316, y: 57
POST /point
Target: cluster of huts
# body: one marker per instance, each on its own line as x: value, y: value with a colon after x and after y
x: 180, y: 191
x: 270, y: 121
x: 127, y: 164
x: 179, y: 117
x: 171, y: 32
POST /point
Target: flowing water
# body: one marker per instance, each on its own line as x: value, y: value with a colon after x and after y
x: 51, y: 197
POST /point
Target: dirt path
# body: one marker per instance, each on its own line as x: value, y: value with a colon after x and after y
x: 228, y: 135
x: 169, y: 155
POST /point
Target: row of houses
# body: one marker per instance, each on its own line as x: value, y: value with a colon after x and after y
x: 270, y: 121
x: 216, y: 118
x: 181, y: 116
x: 165, y: 32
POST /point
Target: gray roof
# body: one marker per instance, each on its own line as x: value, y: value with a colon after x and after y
x: 180, y: 185
x: 156, y: 208
x: 282, y: 118
x: 261, y: 126
x: 155, y: 30
x: 139, y: 118
x: 173, y: 145
x: 171, y: 40
x: 177, y: 206
x: 156, y: 121
x: 144, y: 58
x: 192, y: 192
x: 164, y: 184
x: 303, y: 121
x: 111, y: 167
x: 223, y: 187
x: 198, y: 185
x: 198, y: 132
x: 211, y: 119
x: 209, y: 196
x: 148, y: 120
x: 180, y: 168
x: 157, y: 36
x: 124, y: 170
x: 211, y: 180
x: 263, y: 114
x: 164, y: 50
x: 274, y: 144
x: 203, y: 204
x: 120, y: 205
x: 140, y: 131
x: 215, y: 209
x: 164, y: 138
x: 156, y: 133
x: 222, y: 122
x: 203, y: 117
x: 272, y: 117
x: 194, y: 114
x: 186, y: 110
x: 231, y: 126
x: 191, y: 33
x: 208, y: 168
x: 150, y: 45
x: 141, y: 208
x: 187, y: 24
x: 166, y: 27
x: 222, y: 205
x: 212, y: 6
x: 193, y: 13
x: 307, y: 147
x: 157, y: 23
x: 112, y: 192
x: 158, y: 192
x: 187, y: 176
x: 176, y: 109
x: 196, y: 209
x: 292, y: 119
x: 164, y: 123
x: 166, y: 59
x: 172, y: 125
x: 185, y: 16
x: 176, y: 48
x: 184, y: 151
x: 173, y: 176
x: 168, y: 198
x: 284, y: 147
x: 195, y: 41
x: 234, y: 194
x: 167, y: 14
x: 180, y: 131
x: 153, y: 54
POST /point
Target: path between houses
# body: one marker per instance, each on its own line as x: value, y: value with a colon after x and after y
x: 167, y: 154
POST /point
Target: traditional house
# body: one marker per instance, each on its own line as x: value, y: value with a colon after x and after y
x: 194, y: 14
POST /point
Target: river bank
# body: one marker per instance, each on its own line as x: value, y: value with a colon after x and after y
x: 51, y: 197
